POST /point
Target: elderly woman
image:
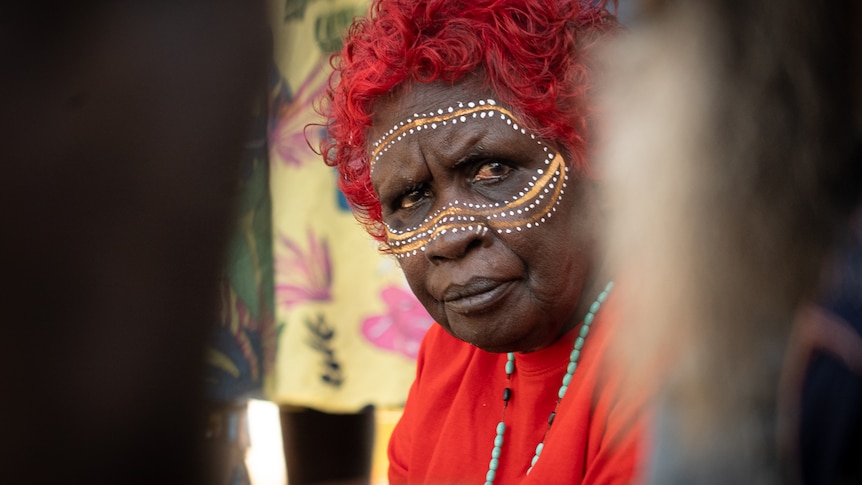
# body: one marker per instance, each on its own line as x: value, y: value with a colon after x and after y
x: 459, y: 131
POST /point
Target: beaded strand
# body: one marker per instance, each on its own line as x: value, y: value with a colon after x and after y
x: 501, y: 426
x: 574, y: 357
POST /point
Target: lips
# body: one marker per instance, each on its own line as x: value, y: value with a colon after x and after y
x: 477, y: 295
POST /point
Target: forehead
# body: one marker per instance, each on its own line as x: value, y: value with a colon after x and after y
x: 438, y: 119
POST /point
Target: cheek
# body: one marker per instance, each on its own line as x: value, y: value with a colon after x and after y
x: 415, y: 269
x: 540, y: 252
x: 536, y: 204
x: 557, y: 254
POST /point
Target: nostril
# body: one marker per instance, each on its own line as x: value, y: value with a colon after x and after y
x: 473, y: 244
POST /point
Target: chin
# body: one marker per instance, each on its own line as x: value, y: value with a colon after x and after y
x: 498, y: 339
x: 496, y: 346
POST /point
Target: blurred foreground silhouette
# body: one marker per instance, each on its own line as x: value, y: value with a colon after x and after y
x: 123, y: 124
x: 732, y: 156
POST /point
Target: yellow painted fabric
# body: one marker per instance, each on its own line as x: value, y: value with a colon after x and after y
x: 349, y: 327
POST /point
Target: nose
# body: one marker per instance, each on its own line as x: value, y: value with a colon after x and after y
x: 455, y: 241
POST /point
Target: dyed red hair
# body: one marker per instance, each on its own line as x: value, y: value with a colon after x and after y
x: 531, y: 53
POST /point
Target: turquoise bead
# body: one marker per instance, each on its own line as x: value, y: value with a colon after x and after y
x: 579, y: 343
x: 585, y: 330
x: 574, y: 357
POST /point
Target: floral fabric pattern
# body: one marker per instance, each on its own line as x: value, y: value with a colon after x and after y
x: 349, y: 327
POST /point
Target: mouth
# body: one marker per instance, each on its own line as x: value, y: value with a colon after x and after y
x: 478, y: 295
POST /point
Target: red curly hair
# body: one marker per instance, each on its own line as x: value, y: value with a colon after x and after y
x: 531, y: 53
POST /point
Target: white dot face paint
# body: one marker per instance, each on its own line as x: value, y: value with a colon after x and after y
x: 513, y: 214
x: 493, y: 238
x: 418, y: 122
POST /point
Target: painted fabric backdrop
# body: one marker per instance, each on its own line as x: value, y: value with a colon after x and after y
x: 348, y: 325
x: 242, y: 349
x: 311, y: 314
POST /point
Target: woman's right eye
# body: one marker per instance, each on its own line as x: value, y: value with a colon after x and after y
x: 414, y: 197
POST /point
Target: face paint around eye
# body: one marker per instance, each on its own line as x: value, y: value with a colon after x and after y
x: 479, y: 233
x: 531, y: 206
x: 527, y: 208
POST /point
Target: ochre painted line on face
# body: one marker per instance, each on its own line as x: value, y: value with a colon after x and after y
x: 483, y: 109
x: 531, y: 207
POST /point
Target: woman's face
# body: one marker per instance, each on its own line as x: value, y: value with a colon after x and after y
x: 494, y: 235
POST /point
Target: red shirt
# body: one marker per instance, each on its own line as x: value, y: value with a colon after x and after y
x: 447, y: 431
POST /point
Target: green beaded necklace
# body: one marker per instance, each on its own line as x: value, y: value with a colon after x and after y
x: 574, y: 356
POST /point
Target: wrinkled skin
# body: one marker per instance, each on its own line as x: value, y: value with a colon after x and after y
x: 502, y: 292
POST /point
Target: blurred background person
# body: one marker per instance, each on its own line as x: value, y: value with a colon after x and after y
x: 732, y: 169
x: 821, y: 426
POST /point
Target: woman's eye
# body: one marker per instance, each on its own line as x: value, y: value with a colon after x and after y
x: 492, y: 171
x: 413, y: 197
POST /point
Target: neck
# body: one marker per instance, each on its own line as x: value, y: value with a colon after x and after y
x: 593, y: 285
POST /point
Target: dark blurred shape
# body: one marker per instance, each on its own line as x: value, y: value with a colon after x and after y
x: 123, y: 126
x: 311, y: 454
x: 830, y: 425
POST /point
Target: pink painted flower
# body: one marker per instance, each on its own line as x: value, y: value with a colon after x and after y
x: 303, y: 275
x: 297, y: 124
x: 402, y: 327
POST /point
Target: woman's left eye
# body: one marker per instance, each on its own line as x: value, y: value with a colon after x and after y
x: 492, y: 171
